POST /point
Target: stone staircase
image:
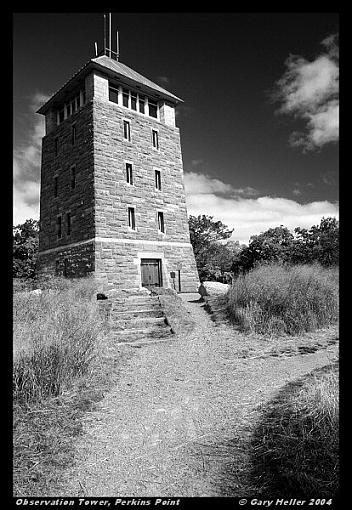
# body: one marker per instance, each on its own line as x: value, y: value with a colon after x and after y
x: 137, y: 317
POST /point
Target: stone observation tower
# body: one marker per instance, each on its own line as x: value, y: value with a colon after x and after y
x: 112, y: 197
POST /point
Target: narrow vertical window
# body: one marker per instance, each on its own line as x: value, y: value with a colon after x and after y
x: 141, y: 104
x: 56, y: 146
x: 73, y: 134
x: 131, y: 218
x: 153, y: 108
x: 83, y: 98
x: 125, y: 95
x: 59, y: 227
x: 73, y: 177
x: 129, y: 173
x: 161, y: 226
x: 155, y: 138
x: 158, y: 179
x: 68, y: 223
x: 126, y: 130
x: 133, y: 101
x: 55, y: 186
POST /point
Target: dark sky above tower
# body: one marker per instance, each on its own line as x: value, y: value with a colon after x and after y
x: 249, y: 160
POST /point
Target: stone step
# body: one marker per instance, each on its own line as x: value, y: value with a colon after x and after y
x: 135, y: 302
x: 138, y: 323
x: 142, y: 337
x: 131, y: 335
x: 119, y: 314
x: 135, y: 306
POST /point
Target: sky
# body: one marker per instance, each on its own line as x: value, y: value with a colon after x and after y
x: 259, y: 124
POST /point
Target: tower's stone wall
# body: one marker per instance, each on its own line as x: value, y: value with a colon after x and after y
x: 101, y: 241
x: 114, y: 195
x: 78, y: 201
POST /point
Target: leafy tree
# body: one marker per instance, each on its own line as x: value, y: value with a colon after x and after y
x: 320, y: 243
x: 204, y: 232
x: 25, y: 248
x: 218, y: 262
x: 273, y: 245
x: 211, y: 256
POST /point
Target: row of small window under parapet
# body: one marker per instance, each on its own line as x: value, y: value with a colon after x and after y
x: 71, y: 107
x: 131, y: 215
x: 129, y: 178
x: 133, y: 101
x: 117, y: 94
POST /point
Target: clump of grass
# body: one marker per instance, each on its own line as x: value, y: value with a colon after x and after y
x: 58, y: 374
x: 54, y: 339
x: 278, y: 299
x: 295, y: 448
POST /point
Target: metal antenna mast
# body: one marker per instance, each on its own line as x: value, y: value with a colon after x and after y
x: 110, y: 34
x: 104, y: 33
x: 107, y: 46
x: 117, y: 45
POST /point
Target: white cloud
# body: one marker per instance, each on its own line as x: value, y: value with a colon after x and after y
x: 202, y: 184
x: 309, y: 91
x: 26, y: 165
x: 249, y: 215
x: 26, y: 203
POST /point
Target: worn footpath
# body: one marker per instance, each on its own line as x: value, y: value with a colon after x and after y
x: 165, y: 428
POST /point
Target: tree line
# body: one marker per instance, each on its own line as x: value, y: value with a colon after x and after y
x: 217, y: 256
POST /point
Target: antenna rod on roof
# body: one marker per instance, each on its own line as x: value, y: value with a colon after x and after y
x: 117, y: 45
x: 104, y: 33
x: 96, y: 49
x: 110, y: 34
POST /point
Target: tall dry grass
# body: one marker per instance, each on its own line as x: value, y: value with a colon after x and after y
x: 295, y: 448
x: 278, y: 299
x: 63, y: 364
x: 55, y: 336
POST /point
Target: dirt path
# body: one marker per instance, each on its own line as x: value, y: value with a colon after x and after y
x: 163, y: 430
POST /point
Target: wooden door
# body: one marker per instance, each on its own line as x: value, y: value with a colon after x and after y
x: 151, y: 272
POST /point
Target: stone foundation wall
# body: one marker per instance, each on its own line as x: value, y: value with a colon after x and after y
x: 70, y: 262
x: 119, y: 264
